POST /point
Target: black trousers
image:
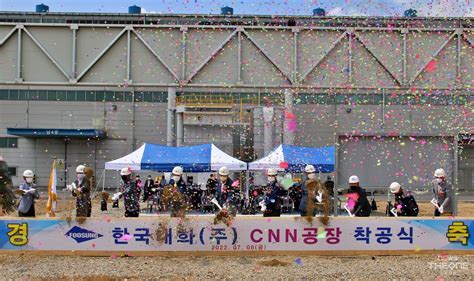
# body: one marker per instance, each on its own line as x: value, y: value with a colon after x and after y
x: 132, y: 214
x: 272, y: 212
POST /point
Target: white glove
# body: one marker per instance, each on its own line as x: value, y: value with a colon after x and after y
x: 319, y: 197
x: 441, y: 209
x: 263, y: 207
x: 394, y: 212
x: 69, y: 187
x: 153, y: 189
x: 434, y: 202
x: 348, y: 210
x: 116, y: 196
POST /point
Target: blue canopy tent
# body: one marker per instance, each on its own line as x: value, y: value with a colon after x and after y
x: 199, y: 158
x: 295, y: 158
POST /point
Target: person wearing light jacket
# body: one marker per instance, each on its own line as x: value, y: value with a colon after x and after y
x: 442, y: 194
x: 29, y: 193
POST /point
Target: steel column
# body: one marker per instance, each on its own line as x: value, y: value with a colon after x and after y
x: 19, y: 79
x: 170, y: 118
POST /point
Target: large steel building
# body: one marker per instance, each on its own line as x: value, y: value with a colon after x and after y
x: 394, y: 95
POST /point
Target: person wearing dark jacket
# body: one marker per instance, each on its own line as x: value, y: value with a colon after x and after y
x: 295, y: 195
x: 329, y: 184
x: 80, y: 189
x: 177, y: 179
x: 311, y: 175
x: 313, y: 193
x: 162, y: 182
x: 361, y: 207
x: 273, y: 196
x: 174, y: 193
x: 130, y: 191
x: 405, y: 204
x: 147, y: 188
x: 212, y: 184
x: 225, y: 191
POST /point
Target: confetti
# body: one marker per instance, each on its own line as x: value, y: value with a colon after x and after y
x: 126, y: 237
x: 321, y: 233
x: 236, y: 183
x: 432, y: 66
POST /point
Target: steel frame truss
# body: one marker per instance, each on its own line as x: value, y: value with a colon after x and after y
x: 295, y: 79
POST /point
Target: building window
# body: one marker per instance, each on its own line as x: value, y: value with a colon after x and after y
x: 8, y: 142
x: 12, y: 171
x: 73, y: 95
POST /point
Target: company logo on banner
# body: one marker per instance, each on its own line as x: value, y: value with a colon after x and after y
x: 82, y: 235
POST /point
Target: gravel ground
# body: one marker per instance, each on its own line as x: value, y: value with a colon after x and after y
x: 29, y: 267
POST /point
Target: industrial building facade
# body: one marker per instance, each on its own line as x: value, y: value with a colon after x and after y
x: 394, y: 95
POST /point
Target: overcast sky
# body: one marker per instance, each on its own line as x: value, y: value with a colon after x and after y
x: 268, y: 7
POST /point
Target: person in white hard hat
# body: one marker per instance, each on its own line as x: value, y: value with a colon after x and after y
x: 442, y: 194
x: 310, y: 172
x: 273, y: 195
x: 130, y: 192
x: 174, y: 193
x: 80, y: 189
x: 405, y: 204
x: 225, y: 191
x: 361, y: 206
x: 29, y: 193
x: 177, y: 179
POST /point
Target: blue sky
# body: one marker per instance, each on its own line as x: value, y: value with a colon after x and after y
x: 267, y: 7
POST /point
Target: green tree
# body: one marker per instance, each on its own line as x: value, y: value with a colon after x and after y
x: 7, y: 197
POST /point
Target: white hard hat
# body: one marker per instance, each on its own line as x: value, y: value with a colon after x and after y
x: 395, y: 187
x: 272, y: 172
x: 309, y: 169
x: 28, y: 174
x: 178, y: 170
x: 223, y: 171
x: 354, y: 179
x: 126, y: 171
x: 80, y: 169
x: 440, y: 173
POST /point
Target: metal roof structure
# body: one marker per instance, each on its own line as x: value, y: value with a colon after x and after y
x: 181, y: 51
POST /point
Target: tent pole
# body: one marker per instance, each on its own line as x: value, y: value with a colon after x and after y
x: 247, y: 183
